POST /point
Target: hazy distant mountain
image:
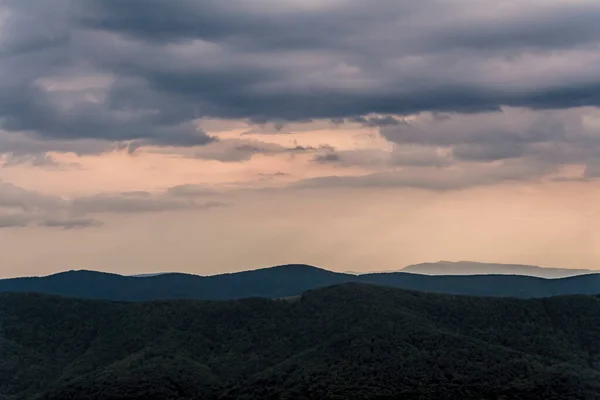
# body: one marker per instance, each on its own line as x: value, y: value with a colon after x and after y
x: 476, y: 268
x: 285, y: 281
x: 349, y: 341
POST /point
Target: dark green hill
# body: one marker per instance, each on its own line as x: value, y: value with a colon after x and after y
x: 350, y: 341
x: 285, y: 281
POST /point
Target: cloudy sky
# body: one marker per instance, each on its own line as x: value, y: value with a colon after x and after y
x: 210, y: 136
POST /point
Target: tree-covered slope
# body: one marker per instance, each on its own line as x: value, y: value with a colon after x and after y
x: 346, y: 341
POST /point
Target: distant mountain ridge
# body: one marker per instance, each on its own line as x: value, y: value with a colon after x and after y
x: 286, y: 281
x: 478, y: 268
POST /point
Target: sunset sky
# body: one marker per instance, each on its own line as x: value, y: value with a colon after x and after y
x: 211, y: 136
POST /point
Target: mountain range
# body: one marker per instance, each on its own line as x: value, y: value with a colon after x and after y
x: 478, y: 268
x: 285, y: 281
x: 350, y: 341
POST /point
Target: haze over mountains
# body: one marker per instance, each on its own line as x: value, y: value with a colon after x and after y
x: 478, y: 268
x: 288, y: 280
x: 348, y: 341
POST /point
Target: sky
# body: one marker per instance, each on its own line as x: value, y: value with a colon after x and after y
x: 211, y: 136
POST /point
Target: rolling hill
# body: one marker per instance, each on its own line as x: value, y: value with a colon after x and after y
x: 284, y: 281
x: 349, y: 341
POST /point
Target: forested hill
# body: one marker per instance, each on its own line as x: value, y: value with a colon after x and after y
x: 350, y: 341
x: 284, y: 281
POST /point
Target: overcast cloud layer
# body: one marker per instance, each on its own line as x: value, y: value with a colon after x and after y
x: 143, y: 70
x: 465, y: 93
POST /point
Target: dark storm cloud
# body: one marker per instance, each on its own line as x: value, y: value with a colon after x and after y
x: 555, y: 27
x: 348, y: 44
x: 172, y: 62
x: 23, y: 145
x: 32, y: 110
x: 376, y: 121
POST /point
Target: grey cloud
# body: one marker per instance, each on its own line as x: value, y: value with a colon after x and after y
x: 39, y: 48
x: 510, y: 125
x: 274, y: 175
x: 267, y: 126
x: 490, y: 151
x: 191, y: 190
x: 570, y: 179
x: 434, y: 179
x: 149, y: 20
x: 20, y: 207
x: 14, y: 221
x: 123, y: 203
x: 171, y: 63
x: 592, y: 170
x: 232, y: 21
x: 33, y: 110
x: 141, y: 202
x: 552, y: 137
x: 27, y: 145
x: 388, y: 120
x: 15, y: 197
x: 70, y: 223
x: 237, y: 150
x: 414, y: 156
x: 408, y: 156
x: 328, y: 158
x: 41, y: 160
x: 555, y: 28
x: 36, y: 160
x: 23, y: 34
x: 354, y: 34
x: 22, y: 220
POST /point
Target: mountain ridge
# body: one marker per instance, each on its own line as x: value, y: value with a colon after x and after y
x: 478, y: 268
x: 285, y: 281
x: 443, y: 268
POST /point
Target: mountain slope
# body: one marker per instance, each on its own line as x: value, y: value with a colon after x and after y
x: 476, y: 268
x: 285, y: 281
x: 347, y: 341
